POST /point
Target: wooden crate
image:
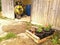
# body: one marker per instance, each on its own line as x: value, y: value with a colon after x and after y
x: 36, y: 38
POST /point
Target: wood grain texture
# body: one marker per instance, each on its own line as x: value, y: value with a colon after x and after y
x: 46, y: 12
x: 7, y: 8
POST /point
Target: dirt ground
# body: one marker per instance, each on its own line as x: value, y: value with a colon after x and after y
x: 21, y: 41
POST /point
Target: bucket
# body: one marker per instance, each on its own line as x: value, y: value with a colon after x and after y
x: 28, y: 10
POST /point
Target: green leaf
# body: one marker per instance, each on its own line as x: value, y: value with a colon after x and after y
x: 39, y: 30
x: 47, y: 28
x: 55, y: 41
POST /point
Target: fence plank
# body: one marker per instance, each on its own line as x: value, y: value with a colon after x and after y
x: 46, y: 12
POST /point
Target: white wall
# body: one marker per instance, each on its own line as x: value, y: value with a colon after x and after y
x: 46, y: 12
x: 8, y: 8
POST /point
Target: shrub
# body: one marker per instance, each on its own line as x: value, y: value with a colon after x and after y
x: 47, y: 28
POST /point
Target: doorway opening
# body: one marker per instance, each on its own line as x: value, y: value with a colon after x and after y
x: 22, y: 9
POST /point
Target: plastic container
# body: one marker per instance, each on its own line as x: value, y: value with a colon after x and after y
x: 28, y: 10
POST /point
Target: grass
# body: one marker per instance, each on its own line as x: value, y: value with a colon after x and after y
x: 55, y: 38
x: 8, y: 36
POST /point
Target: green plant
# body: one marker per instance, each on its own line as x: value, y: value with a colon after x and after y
x: 39, y: 30
x: 10, y: 35
x: 48, y: 27
x: 55, y: 38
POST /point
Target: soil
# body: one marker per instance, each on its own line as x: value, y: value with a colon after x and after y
x: 47, y: 33
x: 40, y: 34
x: 44, y: 34
x: 15, y: 27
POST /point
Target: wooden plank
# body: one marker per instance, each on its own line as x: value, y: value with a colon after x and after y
x: 46, y: 12
x: 35, y: 38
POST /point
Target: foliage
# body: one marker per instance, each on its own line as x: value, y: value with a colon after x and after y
x: 55, y: 38
x: 47, y: 28
x: 8, y: 36
x: 39, y: 30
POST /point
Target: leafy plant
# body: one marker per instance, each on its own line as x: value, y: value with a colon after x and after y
x: 47, y: 28
x: 10, y: 35
x: 39, y: 30
x: 55, y: 38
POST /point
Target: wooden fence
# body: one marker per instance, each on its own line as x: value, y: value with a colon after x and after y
x: 8, y: 8
x: 46, y: 12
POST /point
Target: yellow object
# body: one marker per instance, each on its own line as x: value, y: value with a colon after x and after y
x: 18, y: 9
